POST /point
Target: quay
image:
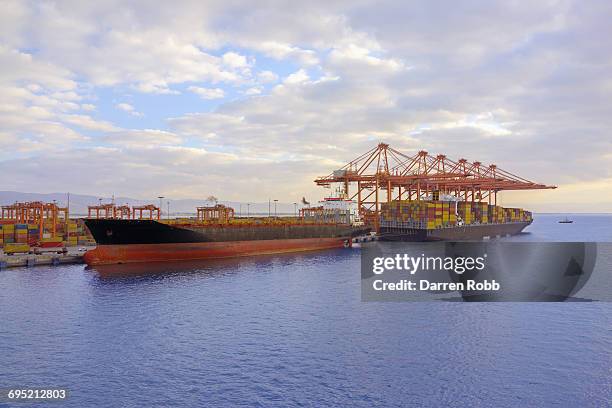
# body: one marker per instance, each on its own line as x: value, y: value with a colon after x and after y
x: 72, y: 256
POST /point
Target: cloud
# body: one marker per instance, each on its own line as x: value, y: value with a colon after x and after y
x: 253, y: 91
x: 267, y: 76
x: 354, y: 54
x: 234, y: 60
x: 297, y: 77
x: 20, y: 66
x: 37, y: 99
x: 282, y: 51
x: 312, y: 86
x: 129, y: 48
x: 126, y: 107
x: 141, y: 171
x: 87, y: 122
x: 142, y: 138
x: 207, y: 93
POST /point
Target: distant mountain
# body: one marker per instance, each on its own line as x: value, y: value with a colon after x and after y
x: 79, y: 203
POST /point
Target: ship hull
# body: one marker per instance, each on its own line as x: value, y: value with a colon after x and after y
x: 119, y: 254
x: 127, y: 232
x: 128, y: 241
x: 458, y: 233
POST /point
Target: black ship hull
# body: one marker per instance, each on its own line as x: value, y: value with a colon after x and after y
x: 126, y: 232
x: 458, y: 233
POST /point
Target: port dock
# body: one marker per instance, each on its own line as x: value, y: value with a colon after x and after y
x: 72, y: 256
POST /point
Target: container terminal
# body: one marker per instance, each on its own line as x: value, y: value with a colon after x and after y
x: 397, y: 196
x: 423, y: 197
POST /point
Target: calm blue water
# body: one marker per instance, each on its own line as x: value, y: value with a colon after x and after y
x: 289, y: 331
x: 586, y: 227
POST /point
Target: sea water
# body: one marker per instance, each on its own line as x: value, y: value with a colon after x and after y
x: 291, y: 330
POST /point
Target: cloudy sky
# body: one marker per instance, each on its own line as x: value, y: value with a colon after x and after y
x: 248, y: 101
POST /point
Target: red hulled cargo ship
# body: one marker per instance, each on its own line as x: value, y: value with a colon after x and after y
x: 124, y: 241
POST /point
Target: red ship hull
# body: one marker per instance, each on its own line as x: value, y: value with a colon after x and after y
x: 118, y: 254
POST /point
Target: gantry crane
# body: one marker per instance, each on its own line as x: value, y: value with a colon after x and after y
x: 36, y: 212
x: 385, y: 174
x: 108, y: 209
x: 153, y: 211
x: 218, y: 213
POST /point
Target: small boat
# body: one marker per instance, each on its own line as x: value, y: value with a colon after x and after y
x: 566, y: 221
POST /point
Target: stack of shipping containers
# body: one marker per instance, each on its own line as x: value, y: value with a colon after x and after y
x: 444, y: 214
x: 8, y: 233
x: 409, y: 214
x: 419, y: 214
x: 73, y: 234
x: 464, y: 209
x: 516, y: 214
x: 21, y: 233
x: 33, y: 233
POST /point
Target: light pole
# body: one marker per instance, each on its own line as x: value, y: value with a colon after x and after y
x: 160, y: 205
x: 295, y: 209
x: 275, y: 201
x: 248, y: 209
x: 240, y: 211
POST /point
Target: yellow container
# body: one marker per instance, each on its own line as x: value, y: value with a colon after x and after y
x: 11, y: 248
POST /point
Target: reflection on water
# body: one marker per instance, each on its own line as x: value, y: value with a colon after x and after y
x: 204, y: 267
x: 166, y: 268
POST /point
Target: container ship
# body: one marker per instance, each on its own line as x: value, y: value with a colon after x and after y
x: 449, y: 221
x: 423, y: 197
x: 216, y: 234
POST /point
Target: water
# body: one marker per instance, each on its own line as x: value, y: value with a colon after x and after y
x: 289, y: 330
x: 586, y: 227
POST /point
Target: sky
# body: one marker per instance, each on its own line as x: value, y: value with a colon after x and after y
x: 253, y: 100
